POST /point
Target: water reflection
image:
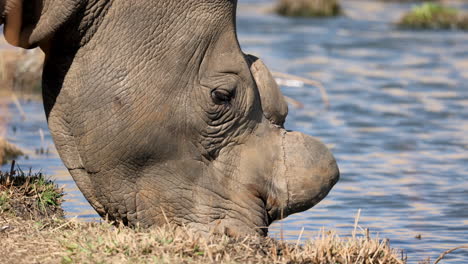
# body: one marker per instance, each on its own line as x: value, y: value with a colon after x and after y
x: 398, y: 122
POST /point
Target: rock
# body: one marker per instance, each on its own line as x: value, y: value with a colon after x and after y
x: 8, y: 151
x: 308, y: 8
x: 463, y: 22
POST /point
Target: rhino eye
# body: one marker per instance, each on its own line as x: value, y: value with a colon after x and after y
x: 221, y: 96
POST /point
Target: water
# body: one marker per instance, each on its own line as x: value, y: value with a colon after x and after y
x: 398, y: 123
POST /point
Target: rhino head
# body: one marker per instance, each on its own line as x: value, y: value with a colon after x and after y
x: 158, y: 114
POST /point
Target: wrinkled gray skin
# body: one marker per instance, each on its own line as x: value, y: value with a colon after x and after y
x: 154, y: 108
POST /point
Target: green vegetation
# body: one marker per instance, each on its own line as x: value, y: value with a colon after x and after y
x: 308, y: 8
x: 434, y: 16
x: 29, y: 196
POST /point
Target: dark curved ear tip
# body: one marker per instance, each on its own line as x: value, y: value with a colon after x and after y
x: 251, y: 59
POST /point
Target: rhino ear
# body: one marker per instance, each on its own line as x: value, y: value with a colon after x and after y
x: 27, y: 23
x: 274, y: 106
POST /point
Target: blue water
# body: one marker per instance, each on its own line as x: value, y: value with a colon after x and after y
x: 397, y: 123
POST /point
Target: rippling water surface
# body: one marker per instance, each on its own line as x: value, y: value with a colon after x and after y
x: 397, y: 124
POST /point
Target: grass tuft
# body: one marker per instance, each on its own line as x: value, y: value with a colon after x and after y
x: 434, y: 16
x: 308, y: 8
x: 29, y: 196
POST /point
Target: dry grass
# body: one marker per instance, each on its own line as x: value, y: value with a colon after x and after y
x: 33, y: 236
x: 70, y: 241
x: 32, y: 231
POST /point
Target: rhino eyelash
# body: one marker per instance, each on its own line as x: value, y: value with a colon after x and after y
x: 221, y: 96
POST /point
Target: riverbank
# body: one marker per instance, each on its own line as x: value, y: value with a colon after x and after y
x: 41, y: 235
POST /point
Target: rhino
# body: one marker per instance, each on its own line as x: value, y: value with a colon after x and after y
x: 160, y: 117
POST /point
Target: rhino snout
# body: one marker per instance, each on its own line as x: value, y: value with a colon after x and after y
x: 309, y: 173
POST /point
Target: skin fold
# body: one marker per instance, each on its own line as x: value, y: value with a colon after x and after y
x: 156, y: 112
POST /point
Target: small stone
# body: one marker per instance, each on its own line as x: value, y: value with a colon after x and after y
x: 8, y: 151
x: 308, y: 8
